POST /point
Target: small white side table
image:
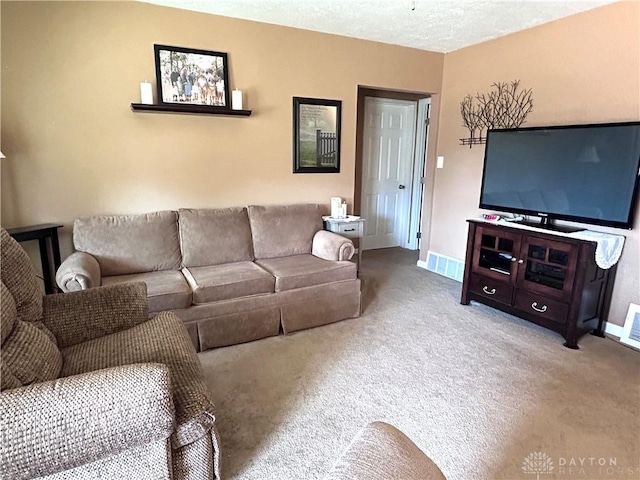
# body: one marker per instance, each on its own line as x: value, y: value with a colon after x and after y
x: 351, y: 227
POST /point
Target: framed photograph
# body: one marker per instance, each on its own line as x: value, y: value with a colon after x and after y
x: 316, y: 135
x: 631, y: 328
x: 192, y: 77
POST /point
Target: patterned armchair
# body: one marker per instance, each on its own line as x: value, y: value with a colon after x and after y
x: 93, y: 388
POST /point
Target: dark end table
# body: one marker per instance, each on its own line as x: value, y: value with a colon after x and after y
x: 42, y: 233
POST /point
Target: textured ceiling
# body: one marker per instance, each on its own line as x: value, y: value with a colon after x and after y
x: 435, y: 25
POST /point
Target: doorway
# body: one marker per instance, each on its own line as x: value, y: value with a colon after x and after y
x: 391, y: 146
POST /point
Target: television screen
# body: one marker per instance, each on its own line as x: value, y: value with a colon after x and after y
x: 582, y: 173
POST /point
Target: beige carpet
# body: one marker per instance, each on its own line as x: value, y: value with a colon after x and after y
x: 476, y: 389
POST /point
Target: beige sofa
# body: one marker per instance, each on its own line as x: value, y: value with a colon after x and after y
x: 232, y: 275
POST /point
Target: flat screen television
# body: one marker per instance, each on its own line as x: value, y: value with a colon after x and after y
x: 580, y: 173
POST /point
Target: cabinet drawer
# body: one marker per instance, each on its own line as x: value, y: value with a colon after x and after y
x: 351, y: 230
x: 542, y: 306
x: 488, y: 287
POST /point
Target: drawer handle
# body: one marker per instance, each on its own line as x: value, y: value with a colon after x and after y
x: 349, y: 229
x: 486, y: 290
x: 534, y: 305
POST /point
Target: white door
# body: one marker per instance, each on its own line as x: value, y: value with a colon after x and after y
x: 387, y: 171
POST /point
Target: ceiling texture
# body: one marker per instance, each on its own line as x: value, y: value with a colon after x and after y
x: 435, y: 25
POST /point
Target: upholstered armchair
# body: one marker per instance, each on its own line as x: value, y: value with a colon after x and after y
x: 93, y: 388
x: 382, y: 452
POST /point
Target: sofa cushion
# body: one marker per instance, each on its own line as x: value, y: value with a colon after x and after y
x: 163, y: 339
x: 166, y: 290
x: 214, y: 236
x: 283, y: 230
x: 125, y: 244
x: 299, y: 271
x: 20, y: 279
x: 231, y: 280
x: 28, y: 353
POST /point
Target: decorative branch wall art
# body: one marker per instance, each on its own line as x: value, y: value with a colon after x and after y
x: 503, y: 107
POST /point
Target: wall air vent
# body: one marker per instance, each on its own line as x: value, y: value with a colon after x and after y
x: 631, y: 330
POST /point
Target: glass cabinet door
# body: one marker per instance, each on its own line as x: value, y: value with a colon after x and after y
x: 548, y: 266
x: 495, y: 253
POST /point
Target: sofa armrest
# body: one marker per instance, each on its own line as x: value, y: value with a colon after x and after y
x: 53, y: 426
x: 382, y: 452
x: 79, y: 271
x: 331, y: 246
x: 77, y: 317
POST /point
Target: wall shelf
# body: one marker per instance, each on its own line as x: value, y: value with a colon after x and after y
x: 190, y: 109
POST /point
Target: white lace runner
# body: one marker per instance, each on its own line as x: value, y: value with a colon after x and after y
x: 608, y: 249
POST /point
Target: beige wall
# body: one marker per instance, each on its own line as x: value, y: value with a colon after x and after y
x: 71, y: 69
x: 582, y: 69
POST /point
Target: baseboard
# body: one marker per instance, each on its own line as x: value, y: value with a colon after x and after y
x: 422, y: 264
x: 443, y: 265
x: 613, y: 329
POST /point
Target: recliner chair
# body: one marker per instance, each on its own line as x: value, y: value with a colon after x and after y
x: 93, y: 388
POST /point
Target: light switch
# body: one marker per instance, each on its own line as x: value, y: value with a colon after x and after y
x: 440, y: 163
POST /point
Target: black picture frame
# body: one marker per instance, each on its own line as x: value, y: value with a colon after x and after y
x: 316, y: 135
x: 188, y: 76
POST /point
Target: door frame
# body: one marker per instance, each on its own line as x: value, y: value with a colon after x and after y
x: 419, y: 164
x: 418, y: 169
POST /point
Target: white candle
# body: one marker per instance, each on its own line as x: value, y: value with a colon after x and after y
x: 343, y: 210
x: 236, y: 99
x: 336, y: 205
x: 146, y: 94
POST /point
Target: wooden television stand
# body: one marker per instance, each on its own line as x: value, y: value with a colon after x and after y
x: 547, y: 279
